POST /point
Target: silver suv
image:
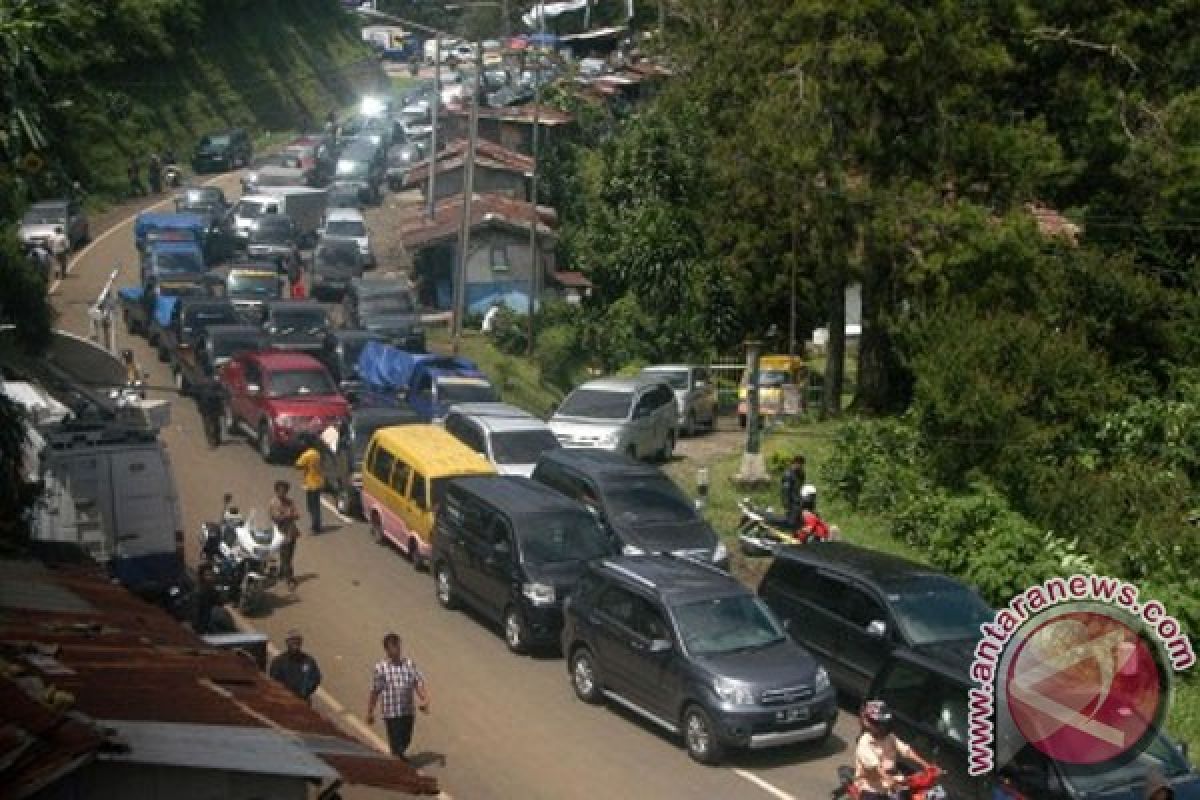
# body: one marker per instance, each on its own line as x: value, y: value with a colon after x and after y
x: 695, y: 394
x: 634, y: 416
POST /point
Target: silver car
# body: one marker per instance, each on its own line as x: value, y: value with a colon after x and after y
x: 634, y: 416
x: 695, y: 394
x: 42, y: 218
x: 512, y: 439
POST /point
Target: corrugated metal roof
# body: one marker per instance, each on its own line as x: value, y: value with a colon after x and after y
x: 224, y: 747
x: 23, y: 586
x: 486, y: 209
x: 524, y: 114
x: 38, y: 745
x: 487, y: 154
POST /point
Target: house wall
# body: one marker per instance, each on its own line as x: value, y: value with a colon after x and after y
x: 513, y: 135
x: 487, y: 180
x: 112, y: 781
x: 485, y: 284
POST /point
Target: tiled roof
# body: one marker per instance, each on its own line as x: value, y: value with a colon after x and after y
x: 547, y: 115
x: 487, y: 154
x: 486, y: 209
x: 118, y: 658
x: 570, y: 279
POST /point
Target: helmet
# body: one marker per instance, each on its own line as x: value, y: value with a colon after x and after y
x: 876, y: 713
x: 808, y: 497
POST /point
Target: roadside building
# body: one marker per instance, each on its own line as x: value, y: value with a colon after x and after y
x: 511, y: 126
x: 498, y: 170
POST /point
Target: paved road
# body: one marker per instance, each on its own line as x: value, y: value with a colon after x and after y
x: 501, y: 726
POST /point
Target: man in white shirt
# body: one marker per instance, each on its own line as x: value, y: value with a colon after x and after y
x: 876, y: 771
x: 59, y: 247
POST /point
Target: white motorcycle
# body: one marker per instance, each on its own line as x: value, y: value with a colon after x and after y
x: 244, y: 556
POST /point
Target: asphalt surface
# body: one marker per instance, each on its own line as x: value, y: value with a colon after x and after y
x: 500, y: 726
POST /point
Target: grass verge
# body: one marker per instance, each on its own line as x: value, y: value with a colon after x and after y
x: 518, y: 380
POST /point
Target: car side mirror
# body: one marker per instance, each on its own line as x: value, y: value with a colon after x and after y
x: 253, y: 389
x: 877, y: 628
x: 659, y: 646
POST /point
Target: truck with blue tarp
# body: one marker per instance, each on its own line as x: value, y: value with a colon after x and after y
x: 152, y: 303
x: 427, y: 382
x: 167, y: 260
x: 153, y: 228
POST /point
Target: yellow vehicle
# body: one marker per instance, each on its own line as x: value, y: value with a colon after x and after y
x: 404, y: 477
x: 776, y: 374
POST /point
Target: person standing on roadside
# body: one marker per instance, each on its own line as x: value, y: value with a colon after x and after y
x: 296, y: 669
x: 134, y: 171
x: 59, y: 247
x: 396, y: 681
x: 791, y: 486
x: 154, y: 173
x: 309, y: 464
x: 284, y: 515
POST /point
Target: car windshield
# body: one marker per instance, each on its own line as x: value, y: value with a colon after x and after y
x: 299, y: 319
x: 215, y: 141
x: 451, y: 392
x: 726, y: 624
x: 553, y: 537
x: 649, y: 499
x: 227, y: 345
x: 522, y: 447
x: 202, y: 197
x: 387, y: 303
x: 352, y: 169
x: 207, y: 210
x: 43, y: 216
x: 934, y: 609
x: 272, y: 231
x: 250, y: 209
x: 345, y: 227
x: 596, y: 404
x: 177, y: 263
x: 298, y: 383
x: 247, y: 285
x: 675, y: 378
x: 337, y: 256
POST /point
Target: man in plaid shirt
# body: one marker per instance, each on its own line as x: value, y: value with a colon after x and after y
x: 396, y: 680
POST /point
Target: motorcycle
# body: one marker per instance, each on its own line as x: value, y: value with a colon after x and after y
x: 244, y: 556
x: 761, y: 532
x: 923, y: 784
x: 172, y: 174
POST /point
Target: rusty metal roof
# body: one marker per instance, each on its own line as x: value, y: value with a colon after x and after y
x: 524, y: 114
x: 108, y: 655
x: 39, y: 745
x: 487, y: 154
x: 486, y: 209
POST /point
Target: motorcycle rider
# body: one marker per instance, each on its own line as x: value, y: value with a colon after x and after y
x: 790, y: 488
x: 809, y: 525
x: 876, y: 771
x: 208, y: 614
x: 210, y: 402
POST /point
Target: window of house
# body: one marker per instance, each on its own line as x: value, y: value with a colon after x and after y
x: 499, y: 258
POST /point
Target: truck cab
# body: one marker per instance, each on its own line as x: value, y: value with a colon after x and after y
x: 189, y: 319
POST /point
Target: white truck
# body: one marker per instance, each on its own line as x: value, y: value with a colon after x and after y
x: 302, y: 204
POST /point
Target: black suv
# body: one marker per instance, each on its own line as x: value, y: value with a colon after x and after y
x: 687, y: 647
x: 513, y: 549
x: 336, y: 262
x: 343, y: 447
x: 222, y: 151
x: 340, y: 354
x: 296, y: 325
x: 851, y: 606
x: 929, y: 702
x: 638, y: 503
x: 385, y: 307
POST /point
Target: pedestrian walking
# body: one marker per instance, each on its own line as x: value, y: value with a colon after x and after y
x: 298, y: 292
x: 154, y: 173
x: 59, y: 247
x: 40, y: 259
x: 396, y: 681
x: 210, y: 402
x: 134, y: 171
x: 284, y: 515
x: 296, y: 669
x: 791, y: 486
x: 309, y: 464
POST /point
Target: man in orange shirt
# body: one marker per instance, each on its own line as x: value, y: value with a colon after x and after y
x: 309, y: 464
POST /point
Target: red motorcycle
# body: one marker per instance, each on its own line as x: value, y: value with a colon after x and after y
x: 923, y: 784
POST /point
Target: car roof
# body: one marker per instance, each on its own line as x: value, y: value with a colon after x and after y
x: 188, y: 303
x: 491, y: 410
x: 673, y: 578
x: 384, y: 414
x: 618, y: 383
x: 440, y: 454
x: 884, y: 570
x: 253, y: 269
x: 598, y: 463
x: 281, y: 359
x: 495, y: 424
x: 516, y: 495
x: 172, y: 246
x: 344, y: 214
x: 233, y: 330
x: 272, y: 305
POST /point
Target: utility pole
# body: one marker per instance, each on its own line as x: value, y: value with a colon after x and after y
x: 431, y: 200
x: 535, y: 270
x: 464, y: 233
x: 753, y: 470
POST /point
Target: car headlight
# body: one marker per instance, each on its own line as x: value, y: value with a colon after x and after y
x: 720, y: 553
x: 540, y: 594
x: 633, y: 550
x: 822, y: 681
x: 735, y: 694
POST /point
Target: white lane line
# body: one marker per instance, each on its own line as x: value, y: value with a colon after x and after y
x: 116, y: 227
x: 770, y: 789
x: 329, y: 506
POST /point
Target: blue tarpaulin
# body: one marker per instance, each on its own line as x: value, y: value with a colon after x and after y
x: 131, y: 294
x: 163, y: 306
x: 384, y: 367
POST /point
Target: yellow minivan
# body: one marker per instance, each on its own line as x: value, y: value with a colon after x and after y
x: 774, y: 374
x: 404, y: 476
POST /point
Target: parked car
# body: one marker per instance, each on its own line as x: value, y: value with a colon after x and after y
x: 641, y: 506
x: 340, y: 354
x: 275, y: 397
x: 851, y: 606
x: 296, y: 324
x: 222, y: 151
x: 342, y: 449
x: 405, y: 475
x: 344, y: 195
x: 688, y: 648
x: 362, y: 166
x: 220, y: 239
x: 197, y: 366
x: 402, y: 158
x: 250, y: 287
x: 512, y: 550
x: 387, y: 308
x: 335, y: 263
x: 695, y: 394
x: 201, y: 195
x: 928, y: 698
x: 274, y: 239
x: 512, y: 442
x: 38, y: 223
x: 347, y: 224
x: 634, y: 416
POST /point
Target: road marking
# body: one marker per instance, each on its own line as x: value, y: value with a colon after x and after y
x: 116, y: 227
x: 774, y: 791
x: 325, y: 501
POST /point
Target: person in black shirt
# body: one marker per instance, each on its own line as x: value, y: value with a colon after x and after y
x: 208, y: 613
x: 790, y: 488
x: 296, y: 669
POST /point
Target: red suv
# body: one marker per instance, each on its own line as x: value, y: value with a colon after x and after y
x: 277, y: 396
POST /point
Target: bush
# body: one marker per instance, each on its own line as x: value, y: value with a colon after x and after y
x: 510, y: 332
x: 557, y: 354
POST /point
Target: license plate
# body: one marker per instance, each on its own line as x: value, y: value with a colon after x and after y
x: 791, y: 715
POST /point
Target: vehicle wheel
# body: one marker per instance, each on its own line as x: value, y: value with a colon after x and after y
x: 700, y: 737
x: 414, y: 555
x: 228, y: 420
x: 668, y: 448
x: 377, y: 530
x: 515, y: 634
x: 265, y: 448
x: 690, y: 428
x: 585, y: 680
x: 443, y: 581
x: 344, y: 501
